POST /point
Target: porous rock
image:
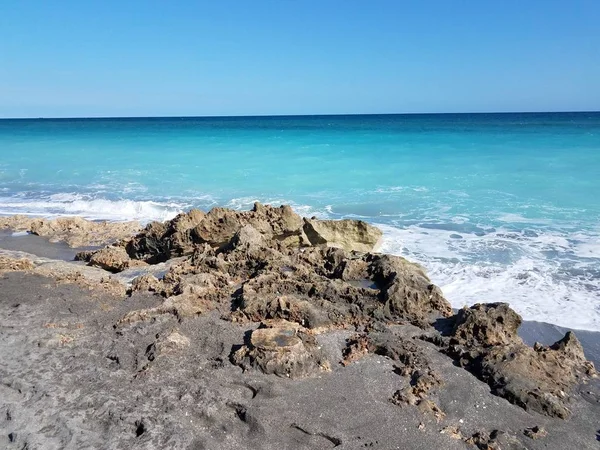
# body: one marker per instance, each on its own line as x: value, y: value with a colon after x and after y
x: 75, y: 231
x: 9, y: 264
x: 283, y: 349
x: 113, y: 259
x: 484, y: 340
x: 183, y: 235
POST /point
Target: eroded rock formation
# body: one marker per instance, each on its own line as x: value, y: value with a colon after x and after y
x: 281, y: 348
x: 484, y: 340
x: 300, y: 277
x: 75, y: 231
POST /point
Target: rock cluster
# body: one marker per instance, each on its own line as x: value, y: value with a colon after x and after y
x: 484, y: 340
x: 181, y: 236
x: 299, y: 277
x: 75, y: 231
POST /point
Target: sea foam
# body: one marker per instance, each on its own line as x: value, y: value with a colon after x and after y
x: 540, y: 275
x: 65, y: 204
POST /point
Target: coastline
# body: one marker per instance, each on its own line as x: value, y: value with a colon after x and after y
x: 531, y: 331
x: 180, y: 346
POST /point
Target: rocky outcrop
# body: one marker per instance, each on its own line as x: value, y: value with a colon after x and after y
x: 347, y: 234
x: 484, y: 340
x: 75, y: 231
x: 301, y: 277
x: 281, y: 227
x: 283, y: 349
x: 160, y: 241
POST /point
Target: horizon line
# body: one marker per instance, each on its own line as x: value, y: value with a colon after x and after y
x: 225, y: 116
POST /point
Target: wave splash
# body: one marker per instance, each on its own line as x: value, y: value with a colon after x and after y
x: 65, y: 204
x: 544, y: 276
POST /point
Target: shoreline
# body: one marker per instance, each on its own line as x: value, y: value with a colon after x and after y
x: 227, y: 329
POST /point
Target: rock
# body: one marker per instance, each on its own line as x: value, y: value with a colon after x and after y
x: 407, y: 291
x: 487, y: 324
x: 351, y: 235
x: 484, y: 340
x: 173, y: 341
x: 280, y: 227
x: 535, y: 432
x: 161, y: 241
x: 9, y: 264
x: 314, y: 288
x: 245, y: 238
x: 75, y: 231
x: 146, y: 282
x: 280, y: 224
x: 283, y: 349
x: 113, y: 259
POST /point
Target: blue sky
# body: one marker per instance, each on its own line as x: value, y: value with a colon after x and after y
x: 148, y: 58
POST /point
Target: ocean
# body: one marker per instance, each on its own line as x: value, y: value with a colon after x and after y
x: 497, y: 207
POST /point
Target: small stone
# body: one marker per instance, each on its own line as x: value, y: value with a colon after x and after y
x: 536, y: 432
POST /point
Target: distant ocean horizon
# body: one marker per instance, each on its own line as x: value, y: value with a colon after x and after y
x: 496, y: 206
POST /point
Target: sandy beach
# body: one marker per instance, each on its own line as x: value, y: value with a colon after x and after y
x: 87, y: 366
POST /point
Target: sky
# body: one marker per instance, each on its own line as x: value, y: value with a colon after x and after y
x: 268, y: 57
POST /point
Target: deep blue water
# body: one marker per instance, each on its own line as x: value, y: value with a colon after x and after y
x: 496, y: 206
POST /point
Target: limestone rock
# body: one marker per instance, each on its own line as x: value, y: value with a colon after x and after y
x: 113, y: 259
x: 161, y: 241
x: 484, y: 340
x: 407, y: 291
x: 351, y: 235
x: 8, y: 264
x: 75, y: 231
x: 146, y: 282
x: 283, y: 349
x: 487, y: 324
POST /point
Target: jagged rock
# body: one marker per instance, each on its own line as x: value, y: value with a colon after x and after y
x: 486, y: 324
x: 75, y: 231
x: 347, y: 234
x: 113, y: 259
x: 245, y: 238
x: 220, y: 228
x: 314, y: 289
x: 180, y: 306
x: 484, y: 340
x: 8, y: 264
x: 281, y: 348
x: 407, y: 291
x: 161, y: 241
x: 146, y: 282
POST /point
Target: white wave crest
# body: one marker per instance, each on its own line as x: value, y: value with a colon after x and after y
x: 66, y: 204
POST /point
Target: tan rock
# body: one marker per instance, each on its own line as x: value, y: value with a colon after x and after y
x: 351, y: 235
x: 146, y: 282
x: 75, y: 231
x: 9, y: 264
x: 283, y: 349
x: 113, y: 259
x: 485, y: 341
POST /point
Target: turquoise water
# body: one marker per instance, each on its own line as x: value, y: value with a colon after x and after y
x: 496, y: 206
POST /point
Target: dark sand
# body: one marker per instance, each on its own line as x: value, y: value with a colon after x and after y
x: 70, y: 379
